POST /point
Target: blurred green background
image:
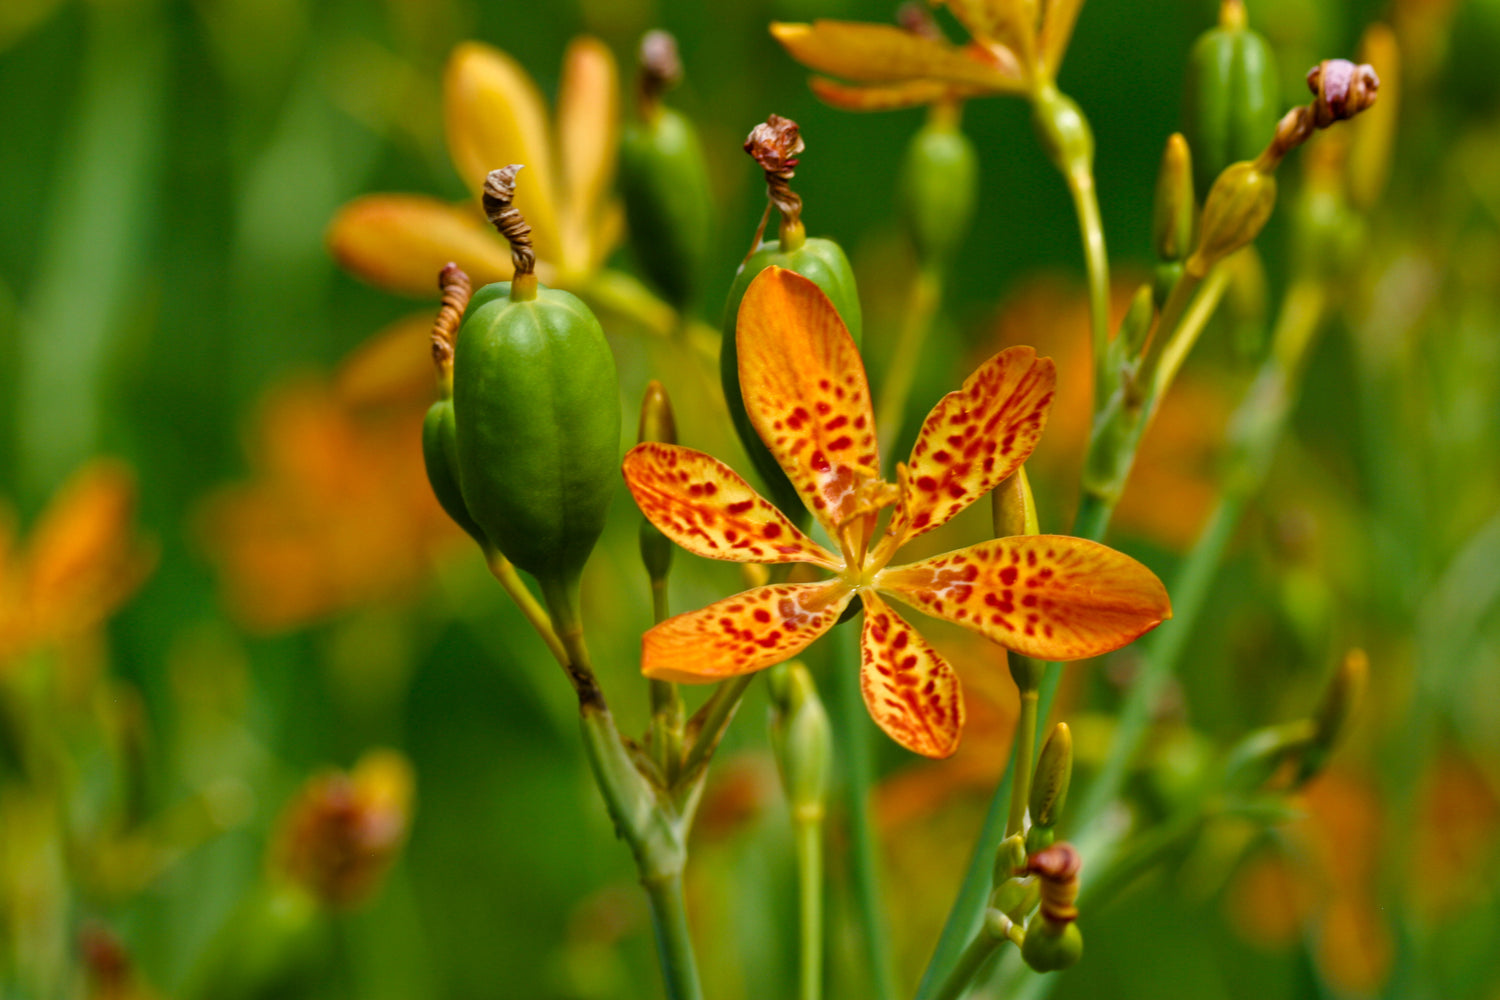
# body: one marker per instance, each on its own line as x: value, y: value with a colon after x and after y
x: 166, y: 298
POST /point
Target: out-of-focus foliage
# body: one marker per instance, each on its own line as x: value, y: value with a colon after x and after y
x: 222, y: 572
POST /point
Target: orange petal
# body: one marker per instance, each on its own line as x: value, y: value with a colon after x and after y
x: 392, y: 368
x: 910, y: 690
x: 1049, y: 596
x: 400, y: 242
x: 494, y: 115
x: 588, y: 136
x: 1057, y: 29
x: 702, y: 505
x: 806, y: 393
x: 975, y: 437
x: 886, y: 97
x: 744, y: 633
x: 879, y: 53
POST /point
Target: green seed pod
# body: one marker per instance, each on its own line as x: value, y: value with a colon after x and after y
x: 775, y: 146
x: 939, y: 177
x: 538, y: 426
x: 440, y: 452
x: 1230, y: 95
x: 664, y: 182
x: 1050, y: 948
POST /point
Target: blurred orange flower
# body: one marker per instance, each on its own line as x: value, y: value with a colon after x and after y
x: 494, y: 116
x: 83, y: 559
x: 338, y: 512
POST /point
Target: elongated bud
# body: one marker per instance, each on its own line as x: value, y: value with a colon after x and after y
x: 1054, y: 770
x: 1238, y: 206
x: 1137, y: 322
x: 1012, y: 506
x: 657, y: 424
x: 1062, y: 130
x: 801, y: 738
x: 1264, y: 754
x: 1010, y: 859
x: 1174, y: 208
x: 1053, y: 940
x: 939, y: 177
x: 1343, y: 696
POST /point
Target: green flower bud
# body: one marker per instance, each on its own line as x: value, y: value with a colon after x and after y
x: 1015, y: 897
x: 1138, y: 319
x: 536, y: 418
x: 1010, y: 859
x: 1163, y: 279
x: 1231, y: 99
x: 1174, y: 210
x: 1238, y: 206
x: 1054, y: 770
x: 1012, y: 507
x: 657, y: 424
x: 939, y: 177
x: 664, y: 182
x: 801, y: 738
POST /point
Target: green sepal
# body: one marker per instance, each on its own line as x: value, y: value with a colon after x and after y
x: 440, y: 454
x: 824, y: 262
x: 537, y: 415
x: 668, y: 202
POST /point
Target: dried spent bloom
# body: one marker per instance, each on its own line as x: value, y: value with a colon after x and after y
x: 804, y: 385
x: 493, y: 115
x: 338, y: 837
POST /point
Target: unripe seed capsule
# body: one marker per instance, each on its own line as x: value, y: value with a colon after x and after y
x: 1230, y: 96
x: 938, y: 186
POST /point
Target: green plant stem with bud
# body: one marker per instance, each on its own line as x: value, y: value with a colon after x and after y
x: 807, y: 836
x: 531, y: 609
x: 975, y: 956
x: 1028, y: 674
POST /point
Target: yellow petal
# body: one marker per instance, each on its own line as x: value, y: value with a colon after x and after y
x: 1049, y: 596
x: 974, y: 438
x: 698, y: 502
x: 394, y: 367
x: 744, y: 633
x: 806, y: 393
x: 588, y: 137
x: 910, y: 690
x: 878, y: 53
x: 886, y: 97
x: 400, y: 242
x: 1057, y: 30
x: 494, y: 115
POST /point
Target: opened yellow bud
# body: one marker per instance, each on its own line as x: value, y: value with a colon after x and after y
x: 1012, y: 506
x: 1172, y: 214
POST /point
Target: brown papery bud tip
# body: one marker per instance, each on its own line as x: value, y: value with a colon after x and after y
x: 775, y: 144
x: 914, y: 18
x: 455, y: 286
x: 661, y: 67
x: 1057, y: 863
x: 499, y: 192
x: 1342, y: 89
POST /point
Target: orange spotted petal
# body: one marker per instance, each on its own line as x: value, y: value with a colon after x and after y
x: 702, y: 505
x: 744, y: 633
x: 910, y: 690
x: 975, y: 437
x: 1049, y: 596
x: 806, y: 393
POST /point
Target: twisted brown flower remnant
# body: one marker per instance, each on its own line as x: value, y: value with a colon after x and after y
x: 1340, y: 90
x: 499, y: 191
x: 456, y: 289
x: 775, y: 144
x: 1057, y: 870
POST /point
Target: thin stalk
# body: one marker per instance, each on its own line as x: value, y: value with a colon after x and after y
x: 901, y: 370
x: 852, y: 730
x: 808, y: 833
x: 710, y: 721
x: 674, y: 948
x: 531, y: 609
x: 1175, y: 350
x: 1096, y: 261
x: 1022, y: 761
x: 970, y: 962
x: 666, y: 704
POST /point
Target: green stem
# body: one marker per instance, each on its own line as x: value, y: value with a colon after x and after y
x: 562, y: 601
x: 1022, y: 761
x: 674, y: 947
x: 852, y: 731
x: 666, y: 705
x: 531, y: 609
x: 710, y: 721
x: 1080, y: 180
x: 808, y: 833
x: 901, y: 370
x: 969, y: 963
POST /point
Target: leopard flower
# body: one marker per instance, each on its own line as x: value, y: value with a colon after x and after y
x: 494, y: 115
x: 1047, y: 596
